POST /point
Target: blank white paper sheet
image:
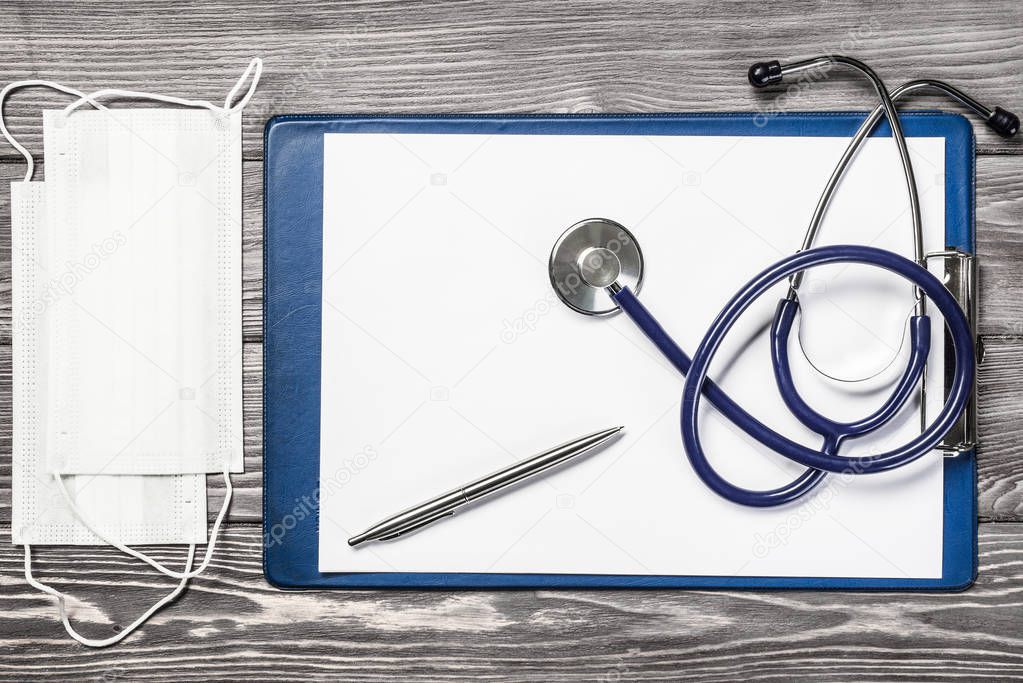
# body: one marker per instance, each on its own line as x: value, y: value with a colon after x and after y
x: 446, y: 354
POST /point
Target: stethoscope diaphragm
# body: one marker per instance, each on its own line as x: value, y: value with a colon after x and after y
x: 588, y: 258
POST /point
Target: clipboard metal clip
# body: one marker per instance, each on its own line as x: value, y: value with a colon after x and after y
x: 960, y: 278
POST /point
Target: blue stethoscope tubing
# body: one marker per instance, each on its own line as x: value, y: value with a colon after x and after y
x: 818, y: 462
x: 826, y: 459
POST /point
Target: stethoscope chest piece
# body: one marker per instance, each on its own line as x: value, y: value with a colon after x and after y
x: 590, y: 257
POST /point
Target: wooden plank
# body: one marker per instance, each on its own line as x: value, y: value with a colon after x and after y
x: 530, y: 56
x: 231, y: 624
x: 578, y: 56
x: 999, y: 214
x: 999, y: 245
x: 1000, y: 463
x: 1000, y: 456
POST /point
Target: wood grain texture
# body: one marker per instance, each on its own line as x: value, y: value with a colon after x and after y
x: 438, y: 56
x: 999, y: 198
x: 534, y: 56
x: 231, y: 624
x: 1000, y: 456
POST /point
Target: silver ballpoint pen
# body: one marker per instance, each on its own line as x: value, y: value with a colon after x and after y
x: 445, y: 505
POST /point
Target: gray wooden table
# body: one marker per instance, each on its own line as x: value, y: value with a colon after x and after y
x: 381, y: 56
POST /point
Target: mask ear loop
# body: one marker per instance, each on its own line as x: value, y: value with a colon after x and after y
x: 17, y: 85
x: 185, y: 575
x: 255, y: 69
x: 38, y: 585
x: 90, y: 642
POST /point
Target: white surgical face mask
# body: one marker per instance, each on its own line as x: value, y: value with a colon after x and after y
x: 133, y: 509
x: 127, y: 340
x: 143, y: 376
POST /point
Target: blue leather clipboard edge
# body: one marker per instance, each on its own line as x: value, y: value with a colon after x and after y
x: 293, y: 194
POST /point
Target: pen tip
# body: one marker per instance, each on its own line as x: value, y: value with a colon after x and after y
x: 356, y: 540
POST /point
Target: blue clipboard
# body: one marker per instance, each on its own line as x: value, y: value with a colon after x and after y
x: 293, y: 238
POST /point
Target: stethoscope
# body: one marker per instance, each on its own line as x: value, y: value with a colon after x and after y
x: 596, y: 268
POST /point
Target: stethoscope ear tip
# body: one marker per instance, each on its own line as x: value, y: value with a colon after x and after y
x: 763, y: 74
x: 1003, y: 122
